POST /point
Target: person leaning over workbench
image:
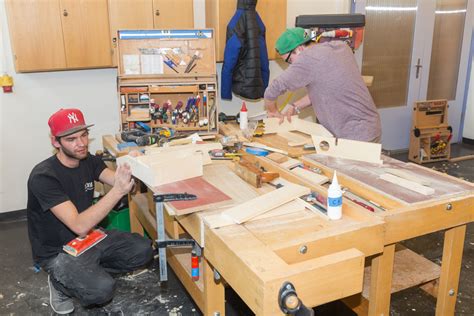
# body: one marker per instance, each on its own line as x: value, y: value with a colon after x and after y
x: 60, y: 193
x: 335, y: 88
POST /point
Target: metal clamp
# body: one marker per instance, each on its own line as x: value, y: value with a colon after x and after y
x: 162, y: 240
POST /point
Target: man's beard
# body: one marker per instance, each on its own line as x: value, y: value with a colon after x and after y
x: 73, y: 155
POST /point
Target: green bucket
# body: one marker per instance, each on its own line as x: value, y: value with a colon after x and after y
x: 119, y: 220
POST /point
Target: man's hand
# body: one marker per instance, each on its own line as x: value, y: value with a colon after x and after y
x: 123, y: 179
x: 277, y: 115
x: 290, y: 112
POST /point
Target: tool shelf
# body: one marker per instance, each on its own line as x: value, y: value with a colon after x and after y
x: 167, y: 79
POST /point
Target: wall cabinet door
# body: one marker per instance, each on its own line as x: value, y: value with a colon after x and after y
x: 219, y: 13
x: 175, y: 14
x: 36, y: 35
x: 86, y: 33
x: 128, y: 15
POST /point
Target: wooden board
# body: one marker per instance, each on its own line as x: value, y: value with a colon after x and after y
x: 287, y: 208
x: 208, y: 196
x: 188, y: 149
x: 277, y: 157
x: 411, y: 185
x: 164, y: 168
x: 295, y: 139
x: 408, y: 176
x: 273, y: 125
x: 291, y: 163
x: 349, y: 149
x: 259, y: 205
x: 276, y: 141
x: 313, y: 177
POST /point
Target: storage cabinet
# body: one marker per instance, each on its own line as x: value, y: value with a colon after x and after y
x: 272, y: 13
x: 59, y: 34
x: 86, y: 32
x: 36, y: 35
x: 148, y: 14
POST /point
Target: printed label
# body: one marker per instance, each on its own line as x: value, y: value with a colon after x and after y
x: 335, y: 201
x: 89, y: 186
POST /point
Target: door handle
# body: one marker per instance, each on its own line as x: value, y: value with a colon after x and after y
x: 418, y: 66
x: 157, y: 12
x: 65, y: 13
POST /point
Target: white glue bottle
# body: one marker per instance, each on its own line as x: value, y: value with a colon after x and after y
x: 334, y: 199
x: 244, y: 118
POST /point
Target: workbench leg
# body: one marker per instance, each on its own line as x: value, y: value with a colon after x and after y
x: 381, y: 282
x: 135, y: 225
x: 450, y: 270
x: 214, y: 294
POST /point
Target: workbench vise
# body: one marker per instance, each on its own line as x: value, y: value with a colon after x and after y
x: 289, y: 302
x: 328, y: 27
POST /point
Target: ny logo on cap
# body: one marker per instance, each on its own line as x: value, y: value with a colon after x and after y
x: 72, y: 118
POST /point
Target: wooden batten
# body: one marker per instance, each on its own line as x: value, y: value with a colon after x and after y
x: 257, y: 206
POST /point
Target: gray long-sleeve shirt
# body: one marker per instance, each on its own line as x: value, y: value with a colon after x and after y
x: 341, y: 101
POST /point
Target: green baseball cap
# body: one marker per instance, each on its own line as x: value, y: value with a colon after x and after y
x: 291, y: 39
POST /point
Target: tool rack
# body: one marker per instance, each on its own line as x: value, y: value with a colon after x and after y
x: 430, y: 139
x: 167, y: 79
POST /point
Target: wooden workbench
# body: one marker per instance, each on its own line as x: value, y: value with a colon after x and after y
x: 408, y: 214
x: 323, y: 259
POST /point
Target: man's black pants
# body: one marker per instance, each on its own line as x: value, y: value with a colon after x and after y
x: 87, y: 277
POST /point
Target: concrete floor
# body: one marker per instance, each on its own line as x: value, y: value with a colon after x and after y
x: 25, y: 292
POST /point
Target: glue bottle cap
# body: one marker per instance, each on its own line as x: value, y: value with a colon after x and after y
x: 244, y: 107
x: 334, y: 182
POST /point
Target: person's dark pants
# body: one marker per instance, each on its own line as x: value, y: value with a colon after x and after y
x: 87, y: 277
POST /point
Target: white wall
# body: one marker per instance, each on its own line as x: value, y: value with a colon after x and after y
x: 24, y: 131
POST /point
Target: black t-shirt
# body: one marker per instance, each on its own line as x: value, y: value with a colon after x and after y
x: 50, y: 184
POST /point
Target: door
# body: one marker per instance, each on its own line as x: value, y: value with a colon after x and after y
x: 128, y: 15
x: 36, y: 35
x: 86, y: 33
x: 173, y: 14
x: 416, y: 50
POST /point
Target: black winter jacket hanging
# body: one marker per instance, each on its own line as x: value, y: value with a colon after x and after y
x: 246, y: 69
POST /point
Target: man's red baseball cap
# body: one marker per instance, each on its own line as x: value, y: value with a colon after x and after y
x: 66, y: 122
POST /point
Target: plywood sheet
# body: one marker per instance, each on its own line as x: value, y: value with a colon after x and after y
x: 208, y: 196
x: 349, y: 149
x: 187, y: 149
x: 164, y: 168
x: 273, y: 125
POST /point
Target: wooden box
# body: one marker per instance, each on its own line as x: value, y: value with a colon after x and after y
x: 167, y: 79
x: 431, y: 135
